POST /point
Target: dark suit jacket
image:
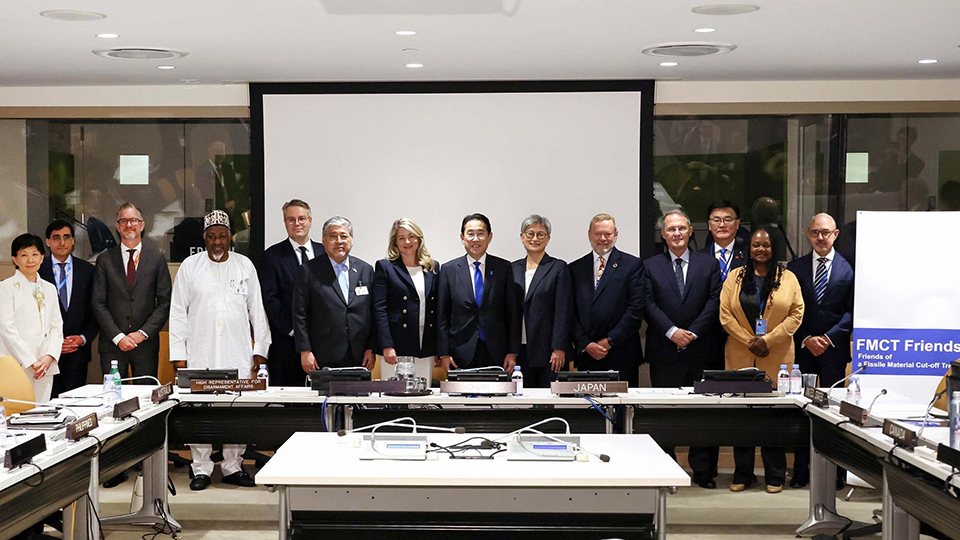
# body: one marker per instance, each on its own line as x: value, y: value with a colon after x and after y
x: 547, y: 308
x: 122, y: 309
x: 459, y: 318
x: 833, y: 317
x: 278, y: 271
x: 697, y: 311
x: 325, y: 322
x: 79, y: 319
x: 613, y: 310
x: 396, y: 307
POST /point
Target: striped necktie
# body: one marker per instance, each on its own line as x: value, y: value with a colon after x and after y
x: 724, y: 264
x: 820, y: 278
x: 599, y: 272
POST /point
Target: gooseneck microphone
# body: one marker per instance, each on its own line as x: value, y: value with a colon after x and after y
x: 411, y: 423
x: 883, y: 392
x: 54, y: 405
x: 140, y: 377
x: 926, y: 416
x: 861, y: 370
x: 602, y: 457
x: 540, y: 423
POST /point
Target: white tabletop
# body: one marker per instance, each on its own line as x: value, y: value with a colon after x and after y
x: 325, y: 459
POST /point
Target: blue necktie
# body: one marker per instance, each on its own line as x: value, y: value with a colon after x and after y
x: 62, y: 285
x: 478, y: 289
x: 680, y: 276
x: 820, y: 279
x: 724, y: 264
x: 342, y: 278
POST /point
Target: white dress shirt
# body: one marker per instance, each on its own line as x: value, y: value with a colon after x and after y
x: 296, y: 249
x: 473, y: 270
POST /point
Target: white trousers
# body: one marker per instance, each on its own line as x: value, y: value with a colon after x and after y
x: 202, y: 464
x: 423, y: 367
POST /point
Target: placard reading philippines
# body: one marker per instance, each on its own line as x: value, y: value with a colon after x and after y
x: 901, y: 351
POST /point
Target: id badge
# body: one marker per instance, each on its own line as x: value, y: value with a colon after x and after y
x: 361, y: 291
x: 239, y: 286
x: 760, y: 327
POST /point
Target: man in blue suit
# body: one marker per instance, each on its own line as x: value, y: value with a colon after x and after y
x: 682, y: 307
x: 73, y: 278
x: 278, y: 270
x: 823, y: 340
x: 478, y: 312
x: 608, y: 304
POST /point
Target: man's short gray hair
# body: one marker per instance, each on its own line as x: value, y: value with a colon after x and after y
x: 337, y: 221
x: 678, y: 212
x: 535, y: 219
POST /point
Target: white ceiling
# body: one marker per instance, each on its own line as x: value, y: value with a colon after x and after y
x: 326, y: 40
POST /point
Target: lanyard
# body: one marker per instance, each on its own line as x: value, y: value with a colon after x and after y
x: 763, y: 301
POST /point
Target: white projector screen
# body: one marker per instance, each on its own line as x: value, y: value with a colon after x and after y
x: 437, y: 157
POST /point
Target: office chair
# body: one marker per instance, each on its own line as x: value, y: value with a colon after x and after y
x: 14, y: 384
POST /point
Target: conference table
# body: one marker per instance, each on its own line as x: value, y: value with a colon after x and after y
x: 72, y: 471
x: 327, y: 491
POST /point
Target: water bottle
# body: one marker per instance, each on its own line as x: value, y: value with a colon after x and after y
x: 955, y: 420
x: 109, y: 389
x: 783, y: 380
x: 115, y: 371
x: 796, y: 380
x: 518, y: 378
x: 3, y: 422
x: 853, y: 390
x: 262, y: 373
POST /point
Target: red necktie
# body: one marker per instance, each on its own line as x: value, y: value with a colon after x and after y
x: 131, y: 267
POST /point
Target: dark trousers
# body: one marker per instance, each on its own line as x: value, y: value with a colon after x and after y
x: 73, y: 371
x: 774, y: 464
x: 675, y: 373
x: 140, y: 361
x: 283, y: 363
x: 482, y: 358
x: 534, y: 377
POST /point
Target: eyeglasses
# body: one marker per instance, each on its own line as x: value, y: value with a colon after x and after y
x: 297, y: 220
x: 63, y: 238
x: 129, y: 221
x: 338, y: 237
x: 682, y: 229
x: 475, y: 235
x: 821, y: 233
x: 726, y: 221
x: 539, y: 235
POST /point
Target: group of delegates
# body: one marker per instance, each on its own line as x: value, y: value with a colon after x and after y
x: 309, y: 305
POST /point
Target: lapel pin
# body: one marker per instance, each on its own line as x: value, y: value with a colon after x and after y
x: 615, y: 265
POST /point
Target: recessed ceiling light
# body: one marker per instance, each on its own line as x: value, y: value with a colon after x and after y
x: 133, y: 53
x: 725, y: 9
x: 669, y: 64
x: 190, y: 81
x: 166, y: 67
x: 406, y: 33
x: 704, y: 30
x: 72, y: 15
x: 414, y: 65
x: 688, y: 49
x: 108, y: 36
x: 410, y: 49
x: 927, y: 61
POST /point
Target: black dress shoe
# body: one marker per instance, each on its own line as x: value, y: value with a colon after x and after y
x: 200, y: 482
x: 705, y: 482
x: 116, y: 480
x: 239, y: 478
x: 799, y: 482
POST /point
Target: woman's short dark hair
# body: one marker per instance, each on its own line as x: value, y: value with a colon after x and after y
x: 24, y: 241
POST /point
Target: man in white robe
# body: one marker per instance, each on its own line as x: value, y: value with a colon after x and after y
x: 215, y: 310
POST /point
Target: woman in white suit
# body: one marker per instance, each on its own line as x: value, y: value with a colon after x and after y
x: 31, y: 329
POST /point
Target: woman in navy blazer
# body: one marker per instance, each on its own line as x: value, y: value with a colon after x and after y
x: 405, y: 301
x: 544, y: 288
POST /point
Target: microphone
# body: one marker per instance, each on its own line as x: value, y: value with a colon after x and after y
x: 875, y: 398
x: 394, y: 422
x: 143, y: 377
x: 481, y: 369
x: 56, y: 406
x: 535, y: 424
x: 602, y: 457
x: 926, y: 416
x: 861, y: 370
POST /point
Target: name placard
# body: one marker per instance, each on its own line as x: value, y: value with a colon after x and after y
x: 856, y: 413
x: 80, y: 428
x: 948, y: 455
x: 209, y: 386
x: 161, y: 393
x: 126, y: 408
x: 819, y: 397
x: 588, y: 388
x: 478, y: 388
x: 24, y: 452
x: 901, y: 435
